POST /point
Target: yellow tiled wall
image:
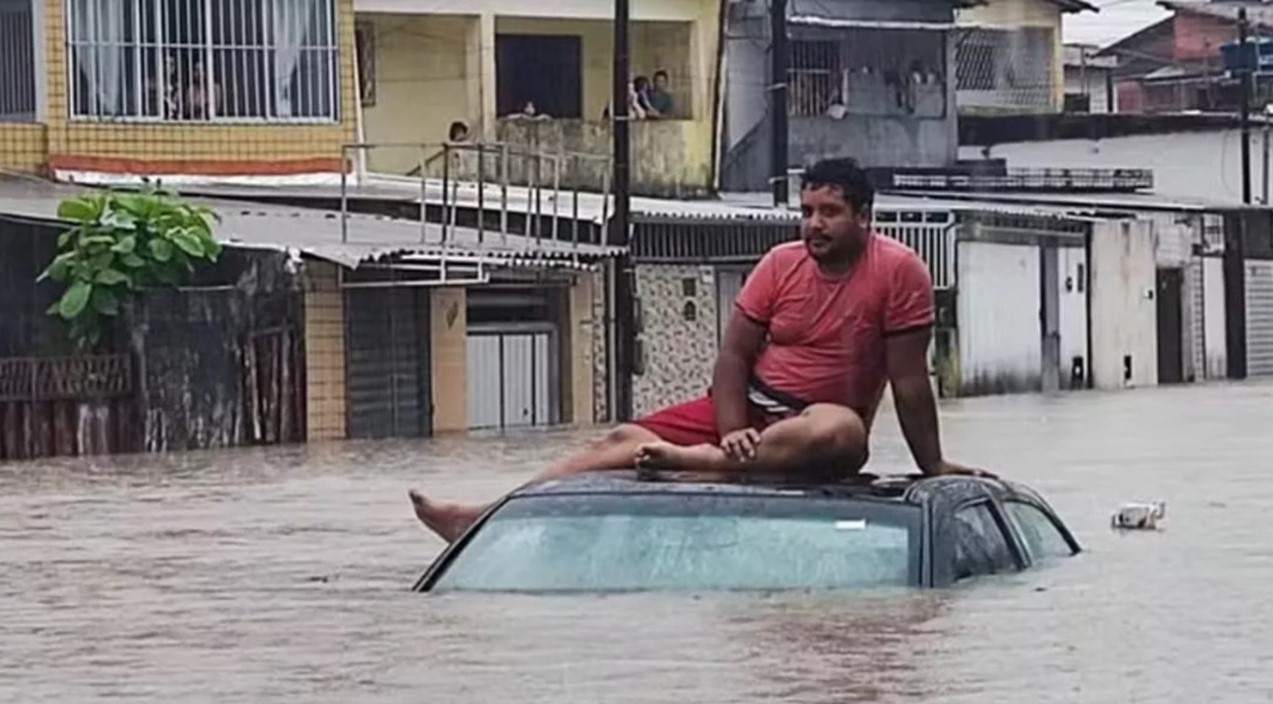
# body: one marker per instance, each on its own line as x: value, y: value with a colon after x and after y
x: 24, y: 149
x: 448, y: 312
x: 193, y: 149
x: 580, y: 336
x: 324, y: 352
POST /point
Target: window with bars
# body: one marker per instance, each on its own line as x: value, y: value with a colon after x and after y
x: 204, y: 60
x: 17, y: 62
x: 814, y: 76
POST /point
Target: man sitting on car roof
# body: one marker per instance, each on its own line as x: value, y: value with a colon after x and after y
x: 819, y: 328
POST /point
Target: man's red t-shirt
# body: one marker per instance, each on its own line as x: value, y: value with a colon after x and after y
x: 826, y: 334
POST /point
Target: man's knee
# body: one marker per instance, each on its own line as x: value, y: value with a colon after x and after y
x: 840, y: 431
x: 626, y: 435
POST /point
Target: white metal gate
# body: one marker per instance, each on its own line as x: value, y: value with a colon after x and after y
x: 513, y: 373
x: 1259, y: 318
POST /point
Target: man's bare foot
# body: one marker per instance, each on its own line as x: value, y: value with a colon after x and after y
x: 447, y: 520
x: 700, y: 458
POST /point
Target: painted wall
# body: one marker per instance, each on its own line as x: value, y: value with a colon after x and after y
x: 417, y: 59
x: 448, y: 357
x: 1215, y: 326
x: 1124, y: 312
x: 96, y: 151
x: 665, y: 10
x: 1072, y: 262
x: 680, y: 352
x: 1000, y: 345
x: 1189, y: 165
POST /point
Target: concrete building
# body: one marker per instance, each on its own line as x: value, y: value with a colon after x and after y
x: 494, y: 59
x: 97, y: 91
x: 1009, y: 57
x: 868, y: 78
x: 1089, y: 80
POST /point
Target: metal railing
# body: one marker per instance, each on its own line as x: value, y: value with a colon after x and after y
x: 483, y: 169
x: 65, y: 378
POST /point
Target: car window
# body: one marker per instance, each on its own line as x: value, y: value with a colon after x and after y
x: 688, y: 544
x: 980, y: 545
x: 1042, y: 537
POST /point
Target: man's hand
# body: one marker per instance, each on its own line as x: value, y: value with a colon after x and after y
x: 741, y: 445
x: 945, y: 468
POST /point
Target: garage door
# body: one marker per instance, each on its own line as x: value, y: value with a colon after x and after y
x: 513, y: 376
x: 1259, y: 318
x: 387, y: 363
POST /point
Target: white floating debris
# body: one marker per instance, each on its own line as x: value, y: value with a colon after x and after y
x: 850, y: 525
x: 1139, y: 516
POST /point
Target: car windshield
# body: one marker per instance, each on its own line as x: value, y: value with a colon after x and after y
x: 626, y: 542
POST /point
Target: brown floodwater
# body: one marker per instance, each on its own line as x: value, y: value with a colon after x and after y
x: 283, y: 575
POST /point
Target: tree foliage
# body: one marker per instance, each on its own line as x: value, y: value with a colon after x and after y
x: 121, y: 243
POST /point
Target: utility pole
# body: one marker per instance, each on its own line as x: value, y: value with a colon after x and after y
x: 778, y: 55
x: 1244, y: 75
x: 621, y: 117
x: 624, y: 352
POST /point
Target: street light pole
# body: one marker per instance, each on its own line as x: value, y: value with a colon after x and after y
x: 621, y: 117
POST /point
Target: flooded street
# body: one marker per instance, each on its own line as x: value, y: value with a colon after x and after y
x: 283, y: 575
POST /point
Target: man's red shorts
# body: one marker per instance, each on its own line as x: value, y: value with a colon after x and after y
x: 694, y: 422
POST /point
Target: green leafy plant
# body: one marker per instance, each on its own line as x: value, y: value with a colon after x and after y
x: 121, y: 243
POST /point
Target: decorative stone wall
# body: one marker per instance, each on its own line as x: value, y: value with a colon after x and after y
x: 678, y: 335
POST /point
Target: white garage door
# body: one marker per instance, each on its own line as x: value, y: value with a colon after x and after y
x: 1259, y: 318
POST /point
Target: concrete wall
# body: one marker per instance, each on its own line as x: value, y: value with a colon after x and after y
x: 1188, y: 165
x: 324, y: 353
x: 1092, y: 83
x: 1124, y: 311
x: 417, y: 59
x: 449, y: 358
x: 1000, y: 340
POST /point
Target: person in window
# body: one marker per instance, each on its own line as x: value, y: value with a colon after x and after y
x: 821, y: 327
x: 641, y: 94
x: 459, y: 132
x: 203, y: 96
x: 661, y: 101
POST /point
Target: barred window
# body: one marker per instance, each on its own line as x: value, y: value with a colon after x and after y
x: 813, y: 77
x: 204, y: 60
x: 17, y: 62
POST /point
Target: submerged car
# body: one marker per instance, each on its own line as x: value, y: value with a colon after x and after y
x: 624, y: 531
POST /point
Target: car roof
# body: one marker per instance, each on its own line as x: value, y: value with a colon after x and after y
x: 899, y: 489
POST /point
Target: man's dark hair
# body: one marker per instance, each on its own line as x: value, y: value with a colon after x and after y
x: 846, y: 175
x: 661, y: 73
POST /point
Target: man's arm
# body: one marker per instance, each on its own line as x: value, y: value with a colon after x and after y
x: 738, y: 352
x: 907, y: 355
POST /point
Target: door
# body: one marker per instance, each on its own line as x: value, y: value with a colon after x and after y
x: 1259, y: 318
x: 513, y: 378
x: 1171, y: 355
x: 387, y: 363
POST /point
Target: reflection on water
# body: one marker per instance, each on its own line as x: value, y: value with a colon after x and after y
x: 283, y: 574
